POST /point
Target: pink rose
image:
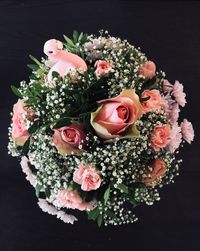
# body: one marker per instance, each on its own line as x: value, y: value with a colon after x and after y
x: 102, y: 68
x: 158, y: 170
x: 116, y: 115
x: 148, y: 69
x: 71, y: 199
x: 175, y: 138
x: 160, y: 137
x: 187, y: 131
x: 154, y: 103
x: 19, y: 127
x: 87, y: 176
x: 69, y: 139
x: 179, y: 94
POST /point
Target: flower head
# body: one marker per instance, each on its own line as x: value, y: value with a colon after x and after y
x: 178, y: 93
x: 115, y: 115
x: 175, y: 138
x: 160, y: 137
x: 87, y: 176
x: 148, y: 69
x: 187, y: 131
x: 69, y: 139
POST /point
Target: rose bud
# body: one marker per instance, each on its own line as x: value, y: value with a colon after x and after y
x: 158, y: 167
x: 70, y: 139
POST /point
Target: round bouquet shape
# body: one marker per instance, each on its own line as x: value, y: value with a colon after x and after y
x: 96, y: 128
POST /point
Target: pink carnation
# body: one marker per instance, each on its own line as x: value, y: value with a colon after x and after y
x: 187, y: 131
x: 155, y: 101
x: 179, y: 94
x: 176, y: 138
x: 160, y: 137
x: 167, y: 87
x: 87, y: 176
x: 148, y: 69
x: 171, y: 108
x: 102, y: 68
x: 71, y: 199
x: 174, y: 114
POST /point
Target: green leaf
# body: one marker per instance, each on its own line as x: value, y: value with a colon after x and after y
x: 80, y: 36
x: 62, y: 122
x: 35, y: 60
x: 33, y: 67
x: 25, y: 147
x: 123, y: 188
x: 55, y: 74
x: 69, y: 41
x: 75, y: 36
x: 16, y: 91
x: 132, y: 200
x: 99, y: 220
x: 74, y: 186
x: 38, y: 188
x: 144, y: 99
x: 110, y: 214
x: 106, y: 195
x: 84, y: 38
x: 150, y: 84
x: 47, y: 192
x: 34, y: 127
x: 92, y: 215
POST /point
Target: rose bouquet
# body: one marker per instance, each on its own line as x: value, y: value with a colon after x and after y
x: 96, y: 128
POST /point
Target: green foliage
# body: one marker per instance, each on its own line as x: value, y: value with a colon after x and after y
x: 47, y: 191
x: 150, y: 84
x: 38, y: 188
x: 25, y: 147
x: 107, y: 195
x: 75, y: 44
x: 16, y: 92
x: 62, y: 122
x: 123, y: 188
x: 93, y: 214
x: 35, y: 60
x: 100, y: 220
x: 34, y: 127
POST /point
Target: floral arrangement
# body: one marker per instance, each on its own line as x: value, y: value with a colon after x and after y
x: 96, y: 128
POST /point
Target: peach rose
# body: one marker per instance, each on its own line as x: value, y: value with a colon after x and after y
x: 116, y: 115
x: 87, y: 176
x: 160, y: 137
x: 148, y: 69
x: 158, y: 170
x: 154, y: 103
x: 68, y: 139
x: 102, y: 68
x: 19, y: 127
x: 71, y: 199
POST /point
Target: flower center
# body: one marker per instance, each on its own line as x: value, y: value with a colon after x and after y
x: 123, y: 113
x: 69, y: 135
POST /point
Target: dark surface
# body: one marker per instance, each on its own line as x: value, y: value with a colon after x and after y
x: 169, y: 34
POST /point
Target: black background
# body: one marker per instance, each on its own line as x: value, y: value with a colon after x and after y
x: 169, y: 34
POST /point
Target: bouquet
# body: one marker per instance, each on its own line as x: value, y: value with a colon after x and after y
x: 96, y: 128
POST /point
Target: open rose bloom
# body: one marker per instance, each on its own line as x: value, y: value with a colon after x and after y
x: 116, y: 115
x: 98, y: 128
